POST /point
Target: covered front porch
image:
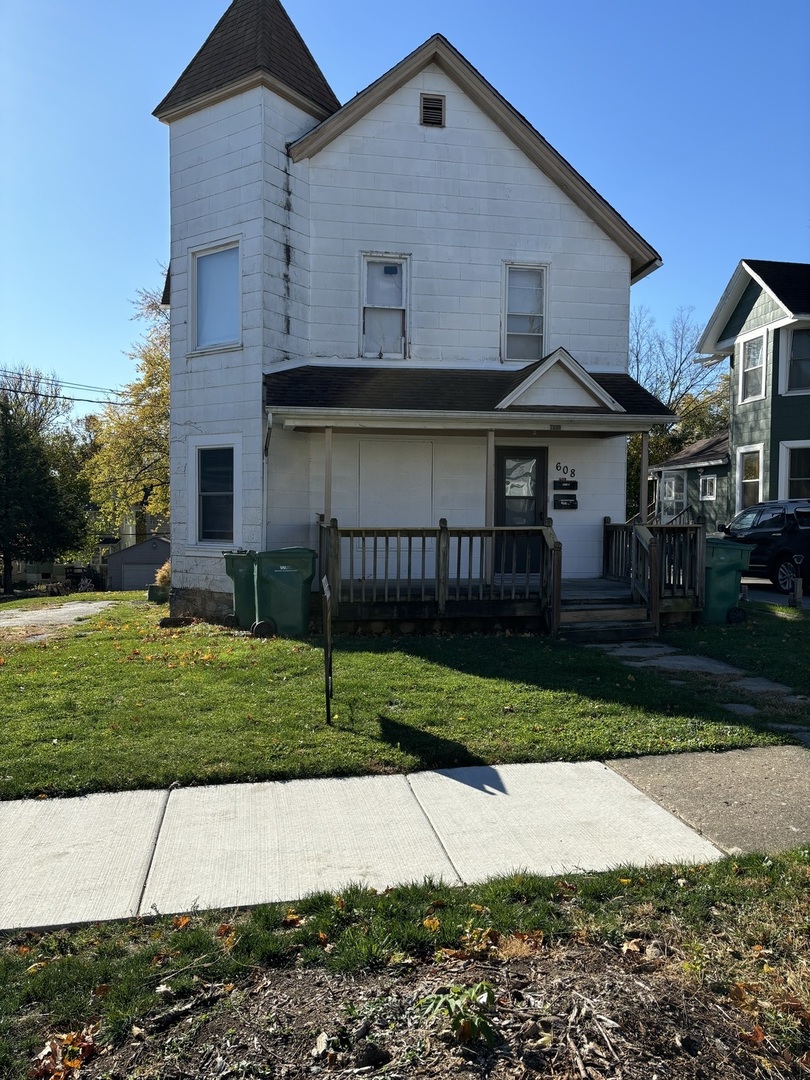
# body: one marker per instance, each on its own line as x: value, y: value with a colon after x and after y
x: 450, y: 575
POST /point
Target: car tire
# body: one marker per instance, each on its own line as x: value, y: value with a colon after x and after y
x: 784, y: 573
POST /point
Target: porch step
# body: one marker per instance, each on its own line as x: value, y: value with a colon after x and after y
x: 594, y: 632
x: 597, y: 613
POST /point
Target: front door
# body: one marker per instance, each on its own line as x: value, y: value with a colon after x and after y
x: 520, y: 502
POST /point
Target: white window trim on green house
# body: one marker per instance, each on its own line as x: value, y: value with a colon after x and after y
x: 744, y: 348
x: 787, y: 335
x: 785, y: 466
x: 195, y: 444
x: 754, y: 448
x: 708, y: 487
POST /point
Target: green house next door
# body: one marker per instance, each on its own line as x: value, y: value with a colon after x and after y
x: 520, y: 502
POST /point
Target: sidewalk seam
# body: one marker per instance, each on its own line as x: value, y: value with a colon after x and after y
x: 155, y: 838
x: 432, y: 827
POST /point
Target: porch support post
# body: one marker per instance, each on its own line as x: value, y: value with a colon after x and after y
x: 489, y: 506
x: 489, y: 499
x: 644, y: 485
x: 327, y: 475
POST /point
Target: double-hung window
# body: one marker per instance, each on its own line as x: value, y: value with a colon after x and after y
x: 215, y: 491
x: 752, y: 377
x: 525, y: 310
x: 799, y: 366
x: 385, y: 306
x: 799, y: 472
x: 749, y: 473
x: 217, y: 308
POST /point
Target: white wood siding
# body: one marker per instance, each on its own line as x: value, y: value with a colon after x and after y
x: 461, y: 200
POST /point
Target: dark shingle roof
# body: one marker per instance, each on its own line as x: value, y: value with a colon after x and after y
x: 252, y: 36
x: 714, y: 448
x: 450, y: 390
x: 790, y: 282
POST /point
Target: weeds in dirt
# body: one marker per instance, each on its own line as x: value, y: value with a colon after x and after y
x: 740, y: 929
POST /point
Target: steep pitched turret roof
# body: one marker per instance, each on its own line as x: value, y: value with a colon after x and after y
x: 252, y: 40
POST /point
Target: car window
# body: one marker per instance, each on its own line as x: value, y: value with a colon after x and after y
x: 772, y: 517
x: 744, y: 520
x: 803, y: 518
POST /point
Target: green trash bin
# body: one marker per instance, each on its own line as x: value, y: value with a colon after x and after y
x: 725, y: 563
x: 240, y: 566
x: 283, y: 579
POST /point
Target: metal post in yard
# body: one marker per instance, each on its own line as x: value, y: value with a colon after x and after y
x: 327, y: 646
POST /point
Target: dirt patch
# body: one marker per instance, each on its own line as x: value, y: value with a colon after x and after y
x: 581, y: 1012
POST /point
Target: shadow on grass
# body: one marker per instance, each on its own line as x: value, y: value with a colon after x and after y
x: 538, y: 663
x: 434, y: 752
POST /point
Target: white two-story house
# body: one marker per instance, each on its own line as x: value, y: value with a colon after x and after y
x: 403, y: 309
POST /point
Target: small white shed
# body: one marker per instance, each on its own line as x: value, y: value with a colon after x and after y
x: 134, y: 567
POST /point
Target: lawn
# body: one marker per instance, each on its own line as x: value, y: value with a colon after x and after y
x: 773, y: 642
x: 118, y: 703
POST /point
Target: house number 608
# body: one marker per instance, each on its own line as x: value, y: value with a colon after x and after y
x: 565, y: 470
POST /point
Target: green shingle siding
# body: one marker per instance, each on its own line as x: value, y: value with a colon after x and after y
x: 755, y: 309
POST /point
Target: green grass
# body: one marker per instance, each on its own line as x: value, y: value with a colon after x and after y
x: 118, y: 703
x: 740, y: 923
x: 773, y: 642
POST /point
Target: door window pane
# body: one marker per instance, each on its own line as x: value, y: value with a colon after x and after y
x: 215, y: 482
x: 520, y: 484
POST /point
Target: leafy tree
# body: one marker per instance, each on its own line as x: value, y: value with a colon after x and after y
x: 664, y: 362
x: 43, y: 496
x: 129, y: 467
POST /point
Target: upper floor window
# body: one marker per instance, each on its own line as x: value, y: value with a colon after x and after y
x: 525, y: 309
x: 799, y: 365
x: 752, y: 375
x: 385, y: 307
x: 217, y: 317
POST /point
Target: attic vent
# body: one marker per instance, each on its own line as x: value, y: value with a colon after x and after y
x: 432, y: 106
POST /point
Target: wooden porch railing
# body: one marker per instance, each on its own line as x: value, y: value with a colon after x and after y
x: 446, y: 569
x: 680, y: 557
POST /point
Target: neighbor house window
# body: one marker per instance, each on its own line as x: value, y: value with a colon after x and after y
x: 799, y: 367
x: 799, y: 472
x: 749, y: 472
x: 525, y: 306
x: 708, y: 488
x: 384, y: 307
x: 215, y: 503
x: 216, y: 297
x: 753, y: 369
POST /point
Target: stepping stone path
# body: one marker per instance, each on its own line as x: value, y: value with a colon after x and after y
x: 653, y: 654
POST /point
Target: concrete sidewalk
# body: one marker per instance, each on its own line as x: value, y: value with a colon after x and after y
x: 111, y: 856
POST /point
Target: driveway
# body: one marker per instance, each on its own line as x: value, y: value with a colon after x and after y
x: 33, y: 624
x: 762, y: 590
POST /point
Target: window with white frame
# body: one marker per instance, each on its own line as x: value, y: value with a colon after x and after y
x: 799, y: 472
x: 708, y: 487
x: 799, y: 362
x: 525, y: 312
x: 385, y: 306
x: 215, y: 491
x: 749, y: 476
x: 752, y: 374
x: 217, y: 314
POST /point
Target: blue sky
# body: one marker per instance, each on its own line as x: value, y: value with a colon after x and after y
x: 690, y: 118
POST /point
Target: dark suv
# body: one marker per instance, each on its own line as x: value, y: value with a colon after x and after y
x: 779, y: 532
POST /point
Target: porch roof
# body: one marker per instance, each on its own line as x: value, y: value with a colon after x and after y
x: 459, y: 392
